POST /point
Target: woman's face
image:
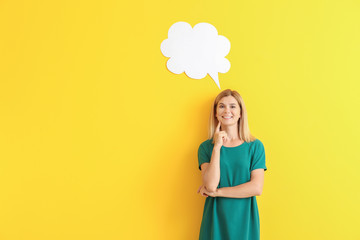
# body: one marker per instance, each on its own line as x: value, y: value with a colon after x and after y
x: 228, y: 111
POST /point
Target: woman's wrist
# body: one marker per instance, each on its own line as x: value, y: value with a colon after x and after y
x: 217, y: 147
x: 218, y: 192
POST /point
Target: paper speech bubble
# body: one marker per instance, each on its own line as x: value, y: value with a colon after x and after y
x: 196, y: 51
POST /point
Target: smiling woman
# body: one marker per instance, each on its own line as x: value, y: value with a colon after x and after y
x: 234, y: 99
x: 232, y: 163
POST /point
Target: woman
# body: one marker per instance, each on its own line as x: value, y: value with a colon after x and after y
x: 232, y: 164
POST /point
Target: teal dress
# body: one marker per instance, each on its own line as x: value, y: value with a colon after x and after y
x: 232, y: 218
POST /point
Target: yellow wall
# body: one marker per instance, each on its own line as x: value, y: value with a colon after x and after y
x: 98, y: 140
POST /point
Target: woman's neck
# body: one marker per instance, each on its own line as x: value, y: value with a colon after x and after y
x: 231, y: 131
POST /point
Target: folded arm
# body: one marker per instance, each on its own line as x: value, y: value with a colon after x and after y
x: 249, y: 189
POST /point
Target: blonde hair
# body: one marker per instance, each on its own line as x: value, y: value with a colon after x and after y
x: 243, y: 126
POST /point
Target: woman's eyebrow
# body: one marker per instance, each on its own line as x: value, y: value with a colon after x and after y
x: 229, y: 104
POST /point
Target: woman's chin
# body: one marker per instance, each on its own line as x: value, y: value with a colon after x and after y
x: 227, y: 123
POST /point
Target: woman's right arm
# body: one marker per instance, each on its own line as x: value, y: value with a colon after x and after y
x: 211, y: 171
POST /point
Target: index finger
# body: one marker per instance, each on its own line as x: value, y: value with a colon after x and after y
x: 218, y: 127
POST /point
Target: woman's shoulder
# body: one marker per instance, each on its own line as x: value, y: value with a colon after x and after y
x: 256, y: 144
x: 207, y: 143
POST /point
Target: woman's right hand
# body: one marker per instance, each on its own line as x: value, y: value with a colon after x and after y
x: 202, y: 191
x: 220, y: 137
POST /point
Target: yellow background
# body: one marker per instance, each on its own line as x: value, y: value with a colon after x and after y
x: 98, y: 140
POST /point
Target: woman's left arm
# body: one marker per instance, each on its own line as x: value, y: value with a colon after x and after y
x: 249, y: 189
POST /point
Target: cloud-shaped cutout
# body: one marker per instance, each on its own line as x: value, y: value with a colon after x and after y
x: 196, y: 51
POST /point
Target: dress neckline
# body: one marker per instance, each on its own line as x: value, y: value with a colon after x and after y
x: 235, y: 146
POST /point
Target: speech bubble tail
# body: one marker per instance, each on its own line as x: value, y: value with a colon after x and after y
x: 215, y: 77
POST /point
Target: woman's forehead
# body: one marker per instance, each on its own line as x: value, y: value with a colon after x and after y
x: 228, y: 100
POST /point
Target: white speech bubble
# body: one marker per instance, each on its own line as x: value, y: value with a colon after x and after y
x: 196, y: 51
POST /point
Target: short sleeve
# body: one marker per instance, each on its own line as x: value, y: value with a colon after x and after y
x: 203, y: 155
x: 258, y: 158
